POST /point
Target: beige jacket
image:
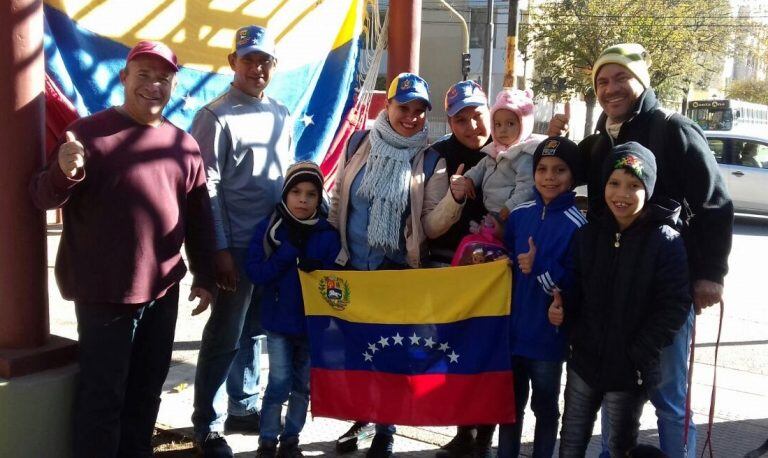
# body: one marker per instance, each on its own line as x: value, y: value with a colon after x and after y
x: 433, y: 209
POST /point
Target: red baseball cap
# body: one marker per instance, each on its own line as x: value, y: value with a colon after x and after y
x: 154, y: 48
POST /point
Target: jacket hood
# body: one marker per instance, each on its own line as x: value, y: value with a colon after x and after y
x: 646, y: 103
x: 527, y: 146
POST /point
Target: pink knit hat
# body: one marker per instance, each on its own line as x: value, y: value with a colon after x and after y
x: 521, y: 104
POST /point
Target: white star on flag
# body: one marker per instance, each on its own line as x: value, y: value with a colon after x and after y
x: 384, y: 342
x: 398, y: 339
x: 307, y: 119
x: 372, y: 347
x: 415, y: 339
x: 428, y: 342
x: 444, y: 346
x: 453, y: 357
x: 367, y: 356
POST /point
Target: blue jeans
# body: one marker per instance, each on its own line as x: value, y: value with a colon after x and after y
x: 669, y: 398
x: 229, y: 352
x: 288, y: 381
x: 621, y: 408
x: 125, y: 352
x: 543, y: 377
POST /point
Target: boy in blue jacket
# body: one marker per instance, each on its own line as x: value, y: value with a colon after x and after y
x: 296, y: 236
x: 631, y: 295
x: 538, y: 235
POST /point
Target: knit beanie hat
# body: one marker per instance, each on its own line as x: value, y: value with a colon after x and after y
x: 303, y: 171
x: 564, y: 149
x: 635, y: 159
x: 521, y: 104
x: 632, y: 56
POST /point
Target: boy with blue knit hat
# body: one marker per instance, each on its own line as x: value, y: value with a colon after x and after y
x: 631, y: 296
x: 245, y: 140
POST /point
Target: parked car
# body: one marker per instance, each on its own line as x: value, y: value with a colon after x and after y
x: 743, y: 159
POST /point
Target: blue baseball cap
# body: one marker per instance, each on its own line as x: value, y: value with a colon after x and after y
x: 254, y: 38
x: 464, y: 94
x: 406, y: 87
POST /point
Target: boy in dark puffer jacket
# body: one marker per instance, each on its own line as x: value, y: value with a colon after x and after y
x: 631, y: 296
x: 296, y: 236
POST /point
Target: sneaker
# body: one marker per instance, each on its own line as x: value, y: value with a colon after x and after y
x: 381, y: 447
x: 289, y: 448
x: 353, y: 439
x: 267, y: 449
x: 214, y: 446
x: 461, y: 446
x: 246, y: 424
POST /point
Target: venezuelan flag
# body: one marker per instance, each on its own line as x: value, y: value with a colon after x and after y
x: 86, y: 42
x: 411, y: 347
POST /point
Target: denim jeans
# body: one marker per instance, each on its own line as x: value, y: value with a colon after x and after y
x: 229, y: 356
x: 621, y: 408
x: 288, y: 381
x: 125, y: 352
x: 669, y: 398
x: 543, y: 379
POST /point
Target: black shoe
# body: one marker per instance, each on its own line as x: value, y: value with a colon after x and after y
x: 353, y: 439
x: 289, y: 448
x: 482, y: 451
x: 214, y: 446
x: 267, y: 449
x: 461, y: 446
x: 381, y: 447
x: 246, y: 424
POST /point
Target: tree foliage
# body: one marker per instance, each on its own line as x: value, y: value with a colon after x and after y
x: 686, y: 39
x: 749, y: 90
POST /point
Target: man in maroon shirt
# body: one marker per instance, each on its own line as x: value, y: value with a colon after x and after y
x: 132, y: 188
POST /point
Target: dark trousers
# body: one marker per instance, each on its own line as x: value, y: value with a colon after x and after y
x: 125, y: 352
x: 540, y: 379
x: 621, y: 408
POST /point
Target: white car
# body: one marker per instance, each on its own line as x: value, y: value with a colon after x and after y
x: 743, y: 159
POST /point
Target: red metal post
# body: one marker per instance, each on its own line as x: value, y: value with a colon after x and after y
x: 404, y: 37
x: 25, y: 343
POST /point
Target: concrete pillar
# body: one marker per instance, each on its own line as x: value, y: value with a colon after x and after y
x: 404, y: 37
x: 25, y: 343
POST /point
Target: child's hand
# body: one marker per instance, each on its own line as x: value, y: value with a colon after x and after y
x: 459, y: 185
x: 555, y: 313
x: 474, y: 227
x: 525, y: 260
x: 504, y: 213
x: 498, y: 228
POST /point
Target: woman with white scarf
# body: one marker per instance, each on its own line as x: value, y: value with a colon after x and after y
x: 384, y: 204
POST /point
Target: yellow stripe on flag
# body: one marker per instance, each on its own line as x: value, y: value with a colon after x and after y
x: 415, y: 296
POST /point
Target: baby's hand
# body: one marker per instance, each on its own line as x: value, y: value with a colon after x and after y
x: 474, y: 227
x: 504, y: 213
x: 555, y: 313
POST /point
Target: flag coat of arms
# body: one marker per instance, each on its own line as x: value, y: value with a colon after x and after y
x: 411, y: 347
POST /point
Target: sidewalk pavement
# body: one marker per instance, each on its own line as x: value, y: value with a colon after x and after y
x: 741, y: 414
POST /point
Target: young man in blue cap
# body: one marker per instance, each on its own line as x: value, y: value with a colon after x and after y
x: 245, y: 140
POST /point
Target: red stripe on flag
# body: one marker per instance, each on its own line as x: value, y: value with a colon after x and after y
x: 417, y: 400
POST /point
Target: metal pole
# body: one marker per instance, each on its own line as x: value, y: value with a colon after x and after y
x: 509, y: 70
x: 488, y: 53
x: 404, y: 37
x: 23, y: 269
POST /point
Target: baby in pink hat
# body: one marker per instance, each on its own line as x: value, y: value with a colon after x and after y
x: 505, y: 175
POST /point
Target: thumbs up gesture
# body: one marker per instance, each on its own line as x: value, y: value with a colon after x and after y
x: 558, y: 125
x: 525, y: 260
x: 461, y: 186
x: 71, y: 156
x: 555, y: 313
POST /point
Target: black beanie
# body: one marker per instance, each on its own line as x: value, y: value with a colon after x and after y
x: 564, y: 149
x: 635, y: 159
x: 300, y: 172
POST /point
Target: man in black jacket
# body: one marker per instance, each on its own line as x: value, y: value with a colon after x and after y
x: 687, y: 173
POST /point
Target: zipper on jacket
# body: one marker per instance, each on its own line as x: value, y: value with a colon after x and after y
x: 617, y: 243
x: 543, y: 212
